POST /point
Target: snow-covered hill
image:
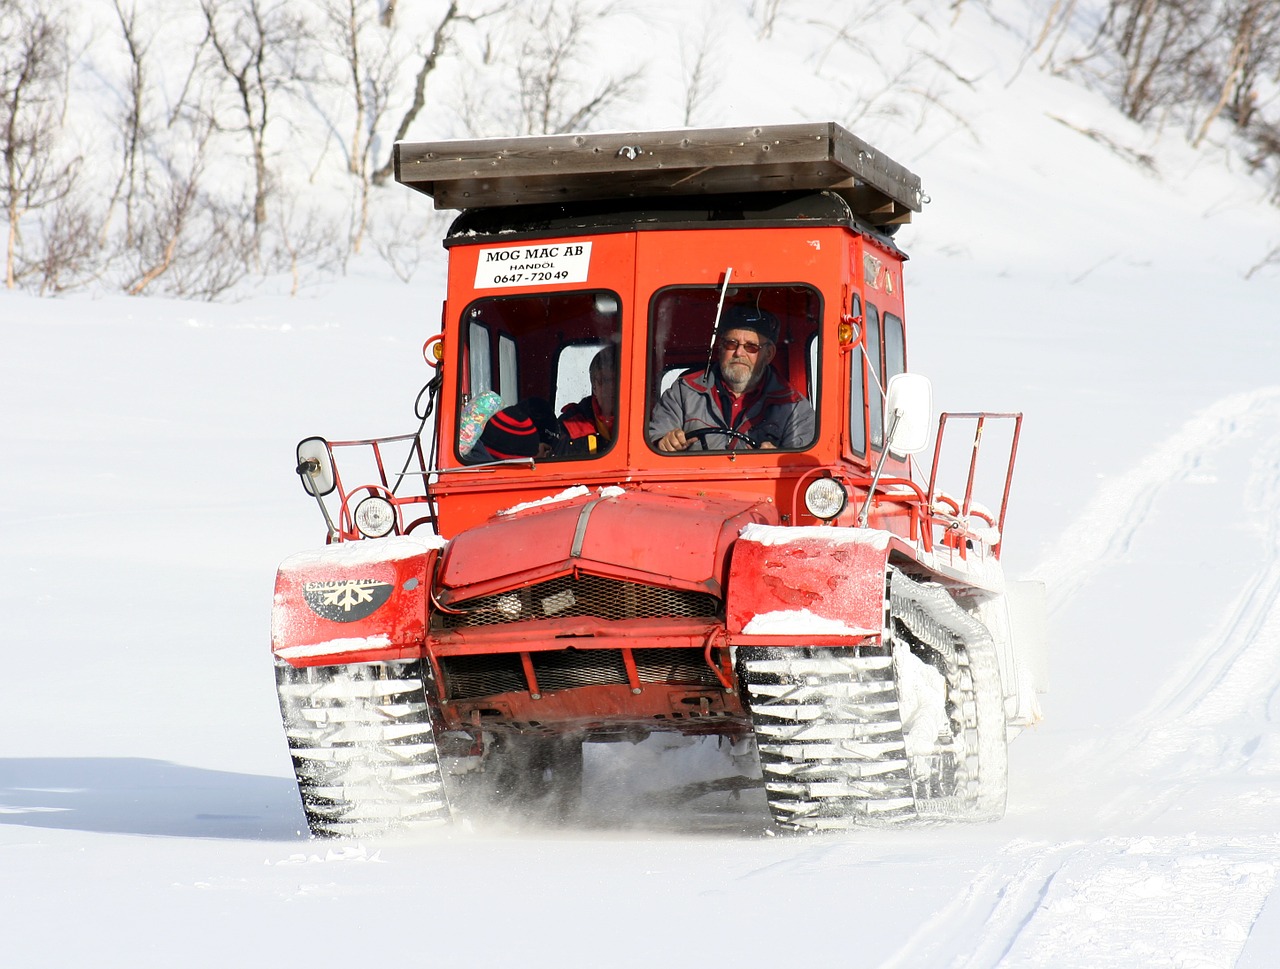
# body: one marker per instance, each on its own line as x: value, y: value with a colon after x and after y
x: 147, y: 812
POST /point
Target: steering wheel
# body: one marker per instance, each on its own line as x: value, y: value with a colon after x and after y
x: 702, y: 432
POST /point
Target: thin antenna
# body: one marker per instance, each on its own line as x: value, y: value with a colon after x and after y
x: 711, y: 350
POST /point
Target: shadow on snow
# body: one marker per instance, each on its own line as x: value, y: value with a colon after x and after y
x: 134, y: 795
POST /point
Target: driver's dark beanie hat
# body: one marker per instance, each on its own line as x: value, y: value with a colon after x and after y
x: 511, y: 433
x: 744, y: 316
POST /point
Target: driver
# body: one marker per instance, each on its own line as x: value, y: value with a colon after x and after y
x: 739, y: 391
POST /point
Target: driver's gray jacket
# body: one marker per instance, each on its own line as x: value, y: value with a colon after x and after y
x: 775, y: 412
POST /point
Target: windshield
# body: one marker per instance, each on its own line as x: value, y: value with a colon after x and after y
x: 744, y: 384
x: 539, y: 377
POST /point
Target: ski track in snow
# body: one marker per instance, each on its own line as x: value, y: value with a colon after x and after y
x: 1105, y: 529
x: 1045, y: 905
x: 1235, y: 670
x: 993, y: 910
x: 1146, y: 902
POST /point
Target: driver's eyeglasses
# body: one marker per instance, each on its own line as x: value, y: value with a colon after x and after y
x: 731, y: 346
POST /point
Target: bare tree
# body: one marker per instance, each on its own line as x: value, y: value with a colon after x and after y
x: 767, y: 11
x: 171, y: 240
x: 697, y: 71
x: 397, y: 238
x: 140, y: 124
x: 1261, y: 66
x: 1264, y: 138
x: 1158, y: 44
x: 1272, y: 258
x: 903, y: 84
x: 354, y: 35
x: 70, y: 255
x: 1245, y: 64
x: 34, y: 62
x: 1242, y: 34
x: 303, y: 240
x: 440, y: 39
x: 1056, y: 22
x: 255, y: 44
x: 551, y: 96
x: 133, y: 132
x: 188, y: 242
x: 159, y: 244
x: 1197, y: 60
x: 363, y: 48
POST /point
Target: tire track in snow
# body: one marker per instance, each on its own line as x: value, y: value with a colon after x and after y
x: 1046, y: 904
x: 992, y: 911
x: 1104, y: 530
x: 1115, y: 903
x: 1197, y: 898
x: 1235, y: 665
x: 1129, y: 903
x: 1197, y: 723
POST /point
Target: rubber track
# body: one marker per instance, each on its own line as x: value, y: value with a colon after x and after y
x: 976, y: 760
x: 363, y: 749
x: 829, y: 728
x: 830, y: 740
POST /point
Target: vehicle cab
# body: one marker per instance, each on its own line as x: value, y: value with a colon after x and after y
x: 537, y: 288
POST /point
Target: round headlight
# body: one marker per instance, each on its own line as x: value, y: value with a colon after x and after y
x: 375, y: 517
x: 825, y: 498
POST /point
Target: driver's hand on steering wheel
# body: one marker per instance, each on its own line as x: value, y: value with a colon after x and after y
x: 674, y: 441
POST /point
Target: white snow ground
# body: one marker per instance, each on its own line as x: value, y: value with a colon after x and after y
x: 147, y: 813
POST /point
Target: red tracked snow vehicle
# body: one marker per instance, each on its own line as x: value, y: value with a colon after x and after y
x: 816, y: 592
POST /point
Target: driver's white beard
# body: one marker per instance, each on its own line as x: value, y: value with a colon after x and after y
x: 730, y: 372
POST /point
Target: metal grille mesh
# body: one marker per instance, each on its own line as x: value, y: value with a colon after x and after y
x: 586, y: 595
x: 468, y: 677
x: 472, y: 676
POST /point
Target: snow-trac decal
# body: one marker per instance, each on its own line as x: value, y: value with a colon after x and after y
x: 346, y: 600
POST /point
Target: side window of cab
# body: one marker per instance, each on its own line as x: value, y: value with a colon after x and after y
x: 534, y: 383
x: 857, y: 386
x: 887, y: 356
x: 875, y: 377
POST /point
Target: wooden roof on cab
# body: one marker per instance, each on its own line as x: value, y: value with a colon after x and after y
x: 541, y: 169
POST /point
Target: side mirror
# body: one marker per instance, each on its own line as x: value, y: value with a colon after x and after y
x: 315, y: 466
x: 908, y: 410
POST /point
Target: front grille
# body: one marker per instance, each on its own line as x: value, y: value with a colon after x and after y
x: 471, y: 676
x: 587, y: 595
x: 468, y: 677
x: 565, y: 669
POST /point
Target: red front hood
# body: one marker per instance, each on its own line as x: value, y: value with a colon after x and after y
x: 656, y: 539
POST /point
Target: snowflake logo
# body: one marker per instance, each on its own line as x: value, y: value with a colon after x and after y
x: 346, y: 600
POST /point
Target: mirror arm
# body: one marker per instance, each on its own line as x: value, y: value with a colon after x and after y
x: 875, y: 478
x: 311, y: 468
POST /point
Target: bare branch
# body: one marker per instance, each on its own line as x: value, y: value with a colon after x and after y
x: 439, y: 41
x: 255, y: 45
x: 34, y: 66
x: 545, y: 68
x: 697, y: 74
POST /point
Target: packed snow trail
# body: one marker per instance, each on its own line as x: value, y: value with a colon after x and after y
x: 1211, y: 709
x: 1181, y: 771
x: 1104, y: 531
